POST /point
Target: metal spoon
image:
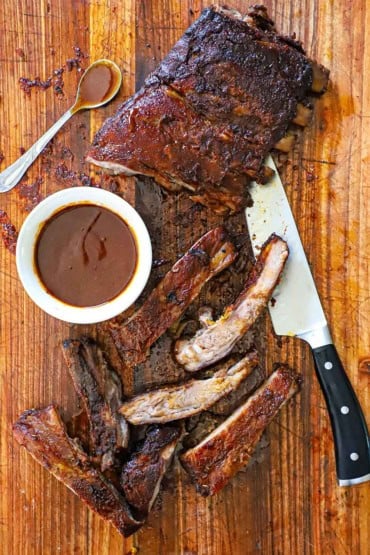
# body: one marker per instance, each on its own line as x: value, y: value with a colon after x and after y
x: 11, y: 175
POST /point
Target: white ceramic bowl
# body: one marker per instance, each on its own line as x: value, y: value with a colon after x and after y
x: 25, y: 255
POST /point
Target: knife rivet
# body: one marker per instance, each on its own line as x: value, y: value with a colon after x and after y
x: 354, y: 456
x: 328, y: 365
x: 344, y: 410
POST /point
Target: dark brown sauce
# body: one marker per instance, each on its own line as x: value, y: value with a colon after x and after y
x: 85, y: 255
x: 96, y: 85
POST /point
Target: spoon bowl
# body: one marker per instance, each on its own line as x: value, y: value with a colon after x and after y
x: 98, y: 85
x: 102, y: 81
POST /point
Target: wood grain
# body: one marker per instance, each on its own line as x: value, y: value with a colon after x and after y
x: 289, y: 502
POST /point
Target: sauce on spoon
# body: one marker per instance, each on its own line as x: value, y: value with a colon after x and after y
x: 97, y: 85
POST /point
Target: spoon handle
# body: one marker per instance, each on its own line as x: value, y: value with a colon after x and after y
x: 11, y: 175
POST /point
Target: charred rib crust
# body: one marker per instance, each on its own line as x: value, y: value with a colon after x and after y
x: 215, y: 106
x: 43, y: 434
x: 260, y: 263
x: 213, y: 462
x: 143, y: 472
x: 166, y: 303
x: 100, y: 390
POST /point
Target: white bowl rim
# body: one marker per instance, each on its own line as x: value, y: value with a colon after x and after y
x: 25, y: 255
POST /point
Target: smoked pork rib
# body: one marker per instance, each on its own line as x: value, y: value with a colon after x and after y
x: 214, y: 461
x: 43, y: 434
x: 185, y: 400
x: 142, y: 474
x: 217, y: 338
x: 211, y: 254
x: 100, y: 390
x: 214, y: 107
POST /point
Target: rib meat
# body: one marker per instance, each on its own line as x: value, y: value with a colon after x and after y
x: 100, y: 390
x: 223, y: 453
x: 43, y: 434
x: 226, y: 405
x: 182, y: 401
x: 142, y: 475
x: 216, y: 339
x: 214, y: 107
x: 166, y: 303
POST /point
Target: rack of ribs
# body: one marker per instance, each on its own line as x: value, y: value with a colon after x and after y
x: 224, y: 96
x: 226, y: 450
x: 100, y: 390
x: 217, y: 338
x: 43, y: 434
x: 185, y: 400
x: 211, y: 254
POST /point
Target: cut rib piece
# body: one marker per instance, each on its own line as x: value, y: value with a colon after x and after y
x: 211, y: 254
x: 100, y: 390
x: 217, y: 339
x: 214, y: 107
x: 142, y: 475
x: 182, y: 401
x: 213, y: 462
x: 43, y: 434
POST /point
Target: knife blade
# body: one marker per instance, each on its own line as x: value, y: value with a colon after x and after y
x: 297, y: 311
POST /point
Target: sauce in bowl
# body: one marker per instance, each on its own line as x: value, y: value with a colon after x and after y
x: 85, y: 255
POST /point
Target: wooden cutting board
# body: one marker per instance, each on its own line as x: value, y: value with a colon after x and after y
x: 288, y: 503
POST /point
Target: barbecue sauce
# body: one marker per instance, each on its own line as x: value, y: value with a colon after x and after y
x: 85, y: 255
x: 96, y: 86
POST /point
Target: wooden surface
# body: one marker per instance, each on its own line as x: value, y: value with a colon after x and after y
x: 289, y: 502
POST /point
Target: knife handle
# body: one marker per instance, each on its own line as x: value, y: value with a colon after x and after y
x: 351, y: 437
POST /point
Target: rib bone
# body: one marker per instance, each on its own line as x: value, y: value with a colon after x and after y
x: 286, y: 143
x: 302, y: 116
x: 320, y: 78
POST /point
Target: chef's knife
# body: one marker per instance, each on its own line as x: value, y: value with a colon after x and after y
x: 297, y: 311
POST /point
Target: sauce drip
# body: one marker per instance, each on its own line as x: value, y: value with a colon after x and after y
x: 85, y: 255
x: 96, y: 86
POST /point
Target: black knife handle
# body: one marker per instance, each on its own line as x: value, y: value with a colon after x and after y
x: 351, y: 437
